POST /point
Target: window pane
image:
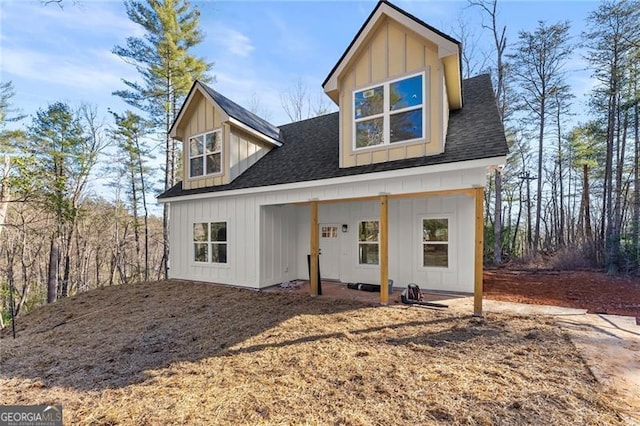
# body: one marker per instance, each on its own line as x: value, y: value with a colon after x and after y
x: 406, y: 125
x: 213, y: 142
x: 196, y: 167
x: 368, y: 102
x: 368, y: 231
x: 405, y: 93
x: 369, y: 133
x: 219, y: 253
x: 200, y: 252
x: 436, y: 255
x: 435, y: 230
x: 195, y: 146
x: 213, y: 163
x: 219, y: 231
x: 368, y: 254
x: 200, y: 232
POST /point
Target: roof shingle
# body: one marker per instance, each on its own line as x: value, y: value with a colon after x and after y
x: 311, y: 147
x: 241, y: 114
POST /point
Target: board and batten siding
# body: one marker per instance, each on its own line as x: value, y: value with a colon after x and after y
x: 268, y: 233
x: 204, y: 117
x: 239, y: 149
x: 245, y: 151
x: 405, y: 243
x: 390, y: 52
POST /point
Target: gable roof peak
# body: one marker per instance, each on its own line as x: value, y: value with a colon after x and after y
x: 242, y: 115
x: 447, y: 45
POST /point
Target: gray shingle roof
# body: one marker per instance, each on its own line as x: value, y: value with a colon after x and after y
x: 246, y: 117
x: 311, y: 147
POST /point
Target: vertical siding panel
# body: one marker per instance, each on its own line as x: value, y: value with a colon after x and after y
x: 378, y: 55
x: 396, y: 50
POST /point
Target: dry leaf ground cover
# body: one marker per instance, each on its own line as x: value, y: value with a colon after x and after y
x: 184, y: 353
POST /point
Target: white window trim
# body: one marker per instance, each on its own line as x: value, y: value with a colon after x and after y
x: 358, y: 242
x: 451, y: 234
x: 386, y: 113
x: 204, y: 155
x: 209, y: 243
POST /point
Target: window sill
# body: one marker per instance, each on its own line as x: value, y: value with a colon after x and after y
x: 384, y: 146
x: 191, y: 179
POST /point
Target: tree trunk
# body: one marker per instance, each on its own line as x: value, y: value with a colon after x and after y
x: 636, y: 179
x: 52, y: 278
x: 536, y: 235
x: 5, y: 192
x: 497, y: 227
x: 586, y: 200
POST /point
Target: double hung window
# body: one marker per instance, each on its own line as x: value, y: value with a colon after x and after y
x: 368, y: 242
x: 435, y: 243
x: 205, y: 154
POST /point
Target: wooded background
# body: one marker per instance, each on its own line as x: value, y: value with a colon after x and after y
x: 568, y: 197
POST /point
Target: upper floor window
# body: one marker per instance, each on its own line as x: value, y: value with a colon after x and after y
x: 205, y: 154
x: 389, y: 113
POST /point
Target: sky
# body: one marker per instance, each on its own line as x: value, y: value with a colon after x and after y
x: 259, y: 48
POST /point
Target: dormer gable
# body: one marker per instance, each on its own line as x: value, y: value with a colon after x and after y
x: 220, y: 138
x: 448, y: 50
x: 395, y: 85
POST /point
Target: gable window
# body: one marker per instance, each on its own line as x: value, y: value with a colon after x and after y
x: 389, y: 113
x: 210, y: 242
x: 435, y: 243
x: 368, y: 242
x: 205, y: 154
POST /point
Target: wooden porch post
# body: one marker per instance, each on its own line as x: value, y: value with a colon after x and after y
x: 477, y: 288
x: 315, y: 249
x: 384, y: 250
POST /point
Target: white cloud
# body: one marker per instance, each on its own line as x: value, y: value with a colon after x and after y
x: 233, y: 41
x: 77, y: 73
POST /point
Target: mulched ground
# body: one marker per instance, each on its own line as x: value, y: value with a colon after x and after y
x: 183, y: 353
x: 592, y: 290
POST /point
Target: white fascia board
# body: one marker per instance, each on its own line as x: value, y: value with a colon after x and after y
x: 413, y: 171
x: 445, y: 47
x: 254, y: 132
x: 183, y: 110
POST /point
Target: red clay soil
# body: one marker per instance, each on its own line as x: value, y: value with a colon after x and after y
x: 592, y: 290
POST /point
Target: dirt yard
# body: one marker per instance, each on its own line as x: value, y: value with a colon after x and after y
x: 592, y: 290
x: 183, y: 353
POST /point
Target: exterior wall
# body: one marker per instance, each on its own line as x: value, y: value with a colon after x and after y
x: 245, y: 151
x: 278, y: 244
x: 405, y: 244
x: 205, y: 117
x: 242, y: 217
x: 239, y: 149
x: 268, y: 235
x: 393, y: 51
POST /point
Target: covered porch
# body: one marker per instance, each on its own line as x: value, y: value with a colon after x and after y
x: 306, y: 228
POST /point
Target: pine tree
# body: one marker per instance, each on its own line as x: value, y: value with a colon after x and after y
x: 538, y: 64
x: 65, y: 155
x: 168, y: 68
x: 129, y: 136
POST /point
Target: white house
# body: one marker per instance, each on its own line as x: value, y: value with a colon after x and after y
x: 389, y: 187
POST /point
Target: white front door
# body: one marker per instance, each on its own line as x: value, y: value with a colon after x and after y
x: 329, y: 251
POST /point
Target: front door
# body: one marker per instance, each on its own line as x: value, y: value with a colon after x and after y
x: 329, y: 252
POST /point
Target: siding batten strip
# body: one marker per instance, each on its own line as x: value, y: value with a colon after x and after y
x: 477, y: 288
x: 313, y: 279
x: 384, y: 250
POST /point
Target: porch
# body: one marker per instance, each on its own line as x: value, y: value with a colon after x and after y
x: 337, y: 290
x: 376, y: 238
